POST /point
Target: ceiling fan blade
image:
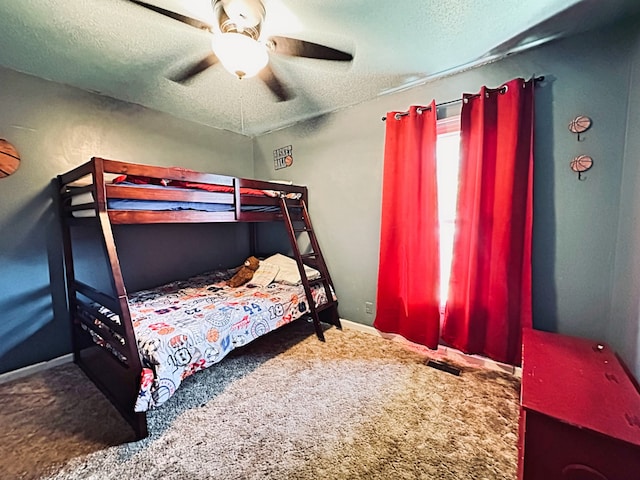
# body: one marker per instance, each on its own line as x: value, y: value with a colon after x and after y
x: 199, y: 67
x: 176, y: 16
x: 300, y: 48
x: 276, y: 86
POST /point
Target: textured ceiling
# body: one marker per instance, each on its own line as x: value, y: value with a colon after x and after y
x: 119, y: 49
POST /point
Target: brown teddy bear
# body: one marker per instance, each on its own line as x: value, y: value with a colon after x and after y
x: 244, y: 273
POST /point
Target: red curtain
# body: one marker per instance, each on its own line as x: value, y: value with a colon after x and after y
x: 490, y: 288
x: 409, y: 268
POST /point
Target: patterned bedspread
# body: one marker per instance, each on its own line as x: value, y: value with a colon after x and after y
x: 186, y: 326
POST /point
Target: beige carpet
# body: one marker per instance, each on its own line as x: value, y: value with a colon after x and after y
x: 285, y: 407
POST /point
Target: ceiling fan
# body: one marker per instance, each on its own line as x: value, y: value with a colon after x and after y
x: 239, y: 47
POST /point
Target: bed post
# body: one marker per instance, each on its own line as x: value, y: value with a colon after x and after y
x: 69, y: 274
x: 132, y: 375
x: 253, y: 239
x: 113, y: 364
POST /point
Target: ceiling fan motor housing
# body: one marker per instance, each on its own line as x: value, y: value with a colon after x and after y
x: 239, y: 16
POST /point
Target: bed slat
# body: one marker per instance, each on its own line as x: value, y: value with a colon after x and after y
x: 97, y: 296
x: 181, y: 216
x: 168, y: 173
x: 72, y: 191
x: 109, y: 339
x: 90, y: 311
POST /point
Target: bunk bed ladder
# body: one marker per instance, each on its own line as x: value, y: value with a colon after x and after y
x: 328, y: 312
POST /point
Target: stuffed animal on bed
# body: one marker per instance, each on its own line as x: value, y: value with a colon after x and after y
x: 244, y: 273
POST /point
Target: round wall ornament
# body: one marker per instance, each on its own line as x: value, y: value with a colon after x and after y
x: 9, y: 158
x: 581, y: 164
x: 580, y: 124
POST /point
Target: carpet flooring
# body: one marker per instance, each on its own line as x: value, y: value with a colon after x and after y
x: 286, y: 406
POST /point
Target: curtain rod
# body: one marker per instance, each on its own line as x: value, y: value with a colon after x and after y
x: 402, y: 114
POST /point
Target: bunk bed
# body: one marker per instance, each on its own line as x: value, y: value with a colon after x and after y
x: 137, y: 347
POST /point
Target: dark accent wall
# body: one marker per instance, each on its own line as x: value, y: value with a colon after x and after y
x: 56, y: 128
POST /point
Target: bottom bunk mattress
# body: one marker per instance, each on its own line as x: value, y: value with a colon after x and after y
x: 186, y: 326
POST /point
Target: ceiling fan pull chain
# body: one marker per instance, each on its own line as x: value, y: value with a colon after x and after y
x: 241, y: 114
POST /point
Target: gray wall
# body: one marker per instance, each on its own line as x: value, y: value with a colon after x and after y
x: 623, y: 329
x: 340, y: 157
x: 55, y: 128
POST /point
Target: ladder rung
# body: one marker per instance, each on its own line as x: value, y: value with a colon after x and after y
x: 317, y: 280
x: 302, y: 229
x: 309, y: 255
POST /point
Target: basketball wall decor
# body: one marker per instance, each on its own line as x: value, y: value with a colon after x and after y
x: 9, y: 158
x: 580, y: 124
x: 581, y: 164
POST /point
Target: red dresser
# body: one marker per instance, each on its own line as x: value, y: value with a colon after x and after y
x: 580, y: 411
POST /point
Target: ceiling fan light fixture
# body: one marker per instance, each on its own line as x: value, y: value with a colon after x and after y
x: 240, y: 54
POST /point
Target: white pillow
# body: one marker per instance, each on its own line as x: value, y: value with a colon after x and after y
x: 288, y: 269
x: 265, y: 274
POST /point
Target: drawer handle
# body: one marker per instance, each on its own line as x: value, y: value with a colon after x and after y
x: 577, y: 471
x: 632, y: 420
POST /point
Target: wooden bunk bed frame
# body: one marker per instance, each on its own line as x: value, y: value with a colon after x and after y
x: 115, y: 366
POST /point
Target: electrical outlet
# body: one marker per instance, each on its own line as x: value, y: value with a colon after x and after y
x: 368, y: 307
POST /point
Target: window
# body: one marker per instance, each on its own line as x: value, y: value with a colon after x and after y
x: 448, y: 162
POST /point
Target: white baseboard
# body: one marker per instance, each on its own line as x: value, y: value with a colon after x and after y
x: 35, y: 368
x: 442, y: 352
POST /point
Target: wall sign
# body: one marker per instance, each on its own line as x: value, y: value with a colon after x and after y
x: 283, y: 157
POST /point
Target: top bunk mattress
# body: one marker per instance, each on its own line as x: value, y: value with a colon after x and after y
x: 134, y: 193
x: 169, y: 205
